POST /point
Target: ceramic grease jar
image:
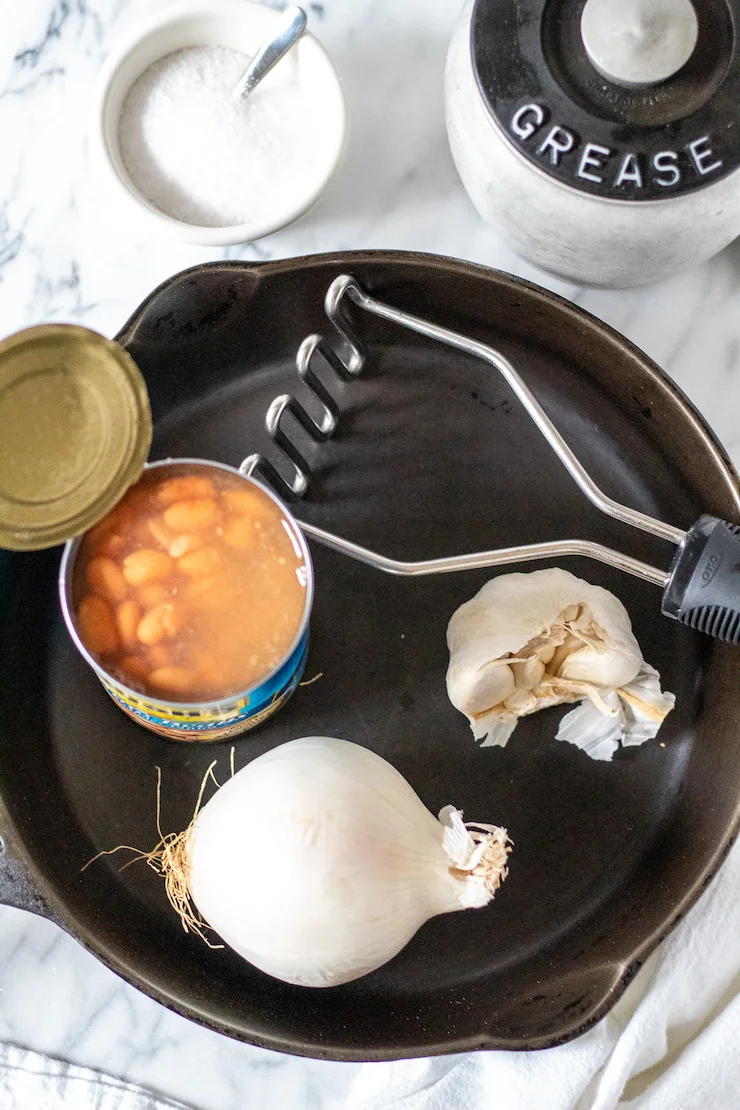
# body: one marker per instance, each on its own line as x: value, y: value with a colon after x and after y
x: 600, y: 139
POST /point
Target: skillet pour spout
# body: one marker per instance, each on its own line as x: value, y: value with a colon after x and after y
x: 431, y: 455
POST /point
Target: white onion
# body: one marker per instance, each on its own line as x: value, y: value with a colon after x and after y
x: 317, y: 862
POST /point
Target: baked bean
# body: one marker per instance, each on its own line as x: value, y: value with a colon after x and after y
x: 249, y: 503
x: 149, y: 596
x: 113, y: 546
x: 111, y: 522
x: 161, y: 532
x: 122, y: 517
x: 187, y: 487
x: 128, y: 615
x: 105, y: 579
x: 201, y: 588
x: 200, y: 563
x: 159, y: 624
x: 98, y: 534
x: 97, y: 626
x: 172, y: 681
x: 134, y: 669
x: 159, y: 655
x: 192, y: 516
x: 142, y: 567
x: 240, y: 533
x: 183, y: 544
x: 209, y: 672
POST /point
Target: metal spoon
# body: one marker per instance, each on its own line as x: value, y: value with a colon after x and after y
x: 291, y: 27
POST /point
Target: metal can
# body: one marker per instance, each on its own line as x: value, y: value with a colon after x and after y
x: 229, y: 716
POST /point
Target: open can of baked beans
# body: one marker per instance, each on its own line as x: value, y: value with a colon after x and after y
x: 138, y: 624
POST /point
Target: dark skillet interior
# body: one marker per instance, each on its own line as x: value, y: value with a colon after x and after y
x: 433, y: 457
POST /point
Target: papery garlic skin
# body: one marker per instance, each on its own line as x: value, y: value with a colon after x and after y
x: 639, y: 709
x: 317, y: 862
x: 529, y: 641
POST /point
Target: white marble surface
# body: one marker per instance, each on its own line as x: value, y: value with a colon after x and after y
x: 66, y: 255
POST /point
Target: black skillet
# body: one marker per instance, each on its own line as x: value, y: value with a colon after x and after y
x: 432, y: 457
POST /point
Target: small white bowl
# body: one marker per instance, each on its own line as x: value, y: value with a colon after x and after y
x: 232, y: 23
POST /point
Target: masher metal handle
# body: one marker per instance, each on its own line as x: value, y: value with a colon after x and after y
x: 524, y: 553
x: 701, y: 590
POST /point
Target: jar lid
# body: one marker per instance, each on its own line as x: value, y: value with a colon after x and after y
x: 75, y: 429
x: 639, y: 42
x: 624, y: 99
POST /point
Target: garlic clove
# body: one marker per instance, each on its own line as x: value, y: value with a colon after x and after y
x: 521, y: 702
x: 609, y: 668
x: 563, y: 651
x: 529, y: 673
x: 478, y: 689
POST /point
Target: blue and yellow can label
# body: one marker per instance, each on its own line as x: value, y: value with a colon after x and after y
x: 216, y: 720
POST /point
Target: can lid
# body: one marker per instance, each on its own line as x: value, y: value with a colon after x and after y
x: 75, y: 429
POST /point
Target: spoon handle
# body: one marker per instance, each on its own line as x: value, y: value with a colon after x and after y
x: 291, y: 27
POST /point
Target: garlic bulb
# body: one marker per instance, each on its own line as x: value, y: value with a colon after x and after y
x: 317, y: 862
x: 529, y: 641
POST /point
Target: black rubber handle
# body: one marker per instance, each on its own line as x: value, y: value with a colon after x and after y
x: 703, y: 588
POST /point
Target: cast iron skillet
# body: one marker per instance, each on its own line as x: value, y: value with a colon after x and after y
x: 433, y: 457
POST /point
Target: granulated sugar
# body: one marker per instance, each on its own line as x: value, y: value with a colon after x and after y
x: 201, y: 156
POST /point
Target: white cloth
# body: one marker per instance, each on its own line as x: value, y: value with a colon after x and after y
x: 672, y: 1043
x: 30, y: 1081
